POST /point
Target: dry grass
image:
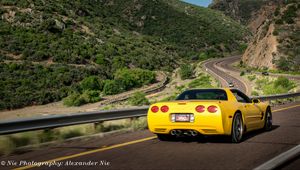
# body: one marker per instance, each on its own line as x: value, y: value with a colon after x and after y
x: 9, y: 143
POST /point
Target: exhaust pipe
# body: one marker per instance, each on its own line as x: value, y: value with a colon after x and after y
x: 194, y: 133
x: 178, y: 132
x: 173, y: 132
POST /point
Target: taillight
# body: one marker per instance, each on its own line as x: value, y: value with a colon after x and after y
x: 200, y: 108
x: 154, y: 109
x: 212, y: 109
x: 164, y: 108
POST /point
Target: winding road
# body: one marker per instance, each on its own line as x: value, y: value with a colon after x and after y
x: 216, y: 68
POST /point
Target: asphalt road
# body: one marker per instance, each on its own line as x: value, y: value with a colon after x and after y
x: 142, y: 150
x: 224, y: 77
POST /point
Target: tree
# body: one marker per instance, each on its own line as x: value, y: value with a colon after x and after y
x: 186, y: 71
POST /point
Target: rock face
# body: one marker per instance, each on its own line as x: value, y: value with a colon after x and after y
x: 276, y: 28
x: 263, y: 49
x: 275, y: 44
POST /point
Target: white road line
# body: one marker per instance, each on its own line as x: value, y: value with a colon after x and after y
x: 280, y: 159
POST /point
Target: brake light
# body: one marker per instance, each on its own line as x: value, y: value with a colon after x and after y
x: 200, y: 108
x: 212, y: 109
x: 164, y: 108
x: 154, y: 109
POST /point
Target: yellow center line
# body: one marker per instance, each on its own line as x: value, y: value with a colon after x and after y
x: 88, y: 152
x: 285, y: 108
x: 104, y: 148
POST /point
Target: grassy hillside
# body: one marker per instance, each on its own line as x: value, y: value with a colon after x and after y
x: 48, y: 47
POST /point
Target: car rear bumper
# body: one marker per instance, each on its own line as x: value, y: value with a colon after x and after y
x: 211, y: 124
x: 199, y: 129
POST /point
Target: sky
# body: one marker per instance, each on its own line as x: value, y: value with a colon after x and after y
x: 203, y: 3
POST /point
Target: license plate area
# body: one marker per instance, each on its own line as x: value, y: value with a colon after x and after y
x: 182, y: 117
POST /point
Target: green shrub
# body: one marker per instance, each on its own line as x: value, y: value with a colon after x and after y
x: 280, y: 85
x: 48, y: 135
x: 91, y: 83
x: 112, y: 87
x: 169, y: 98
x: 74, y: 99
x: 254, y: 93
x: 139, y: 123
x: 275, y: 32
x: 251, y: 78
x: 91, y: 96
x: 186, y: 72
x: 243, y: 47
x: 290, y: 14
x: 283, y: 64
x: 203, y: 56
x: 277, y: 11
x: 279, y: 22
x: 130, y: 78
x: 202, y: 82
x: 71, y: 134
x: 138, y: 99
x: 242, y: 73
x: 284, y: 82
x: 77, y: 99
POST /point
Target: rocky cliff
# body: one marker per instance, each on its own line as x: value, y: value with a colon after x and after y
x: 275, y: 44
x: 275, y: 28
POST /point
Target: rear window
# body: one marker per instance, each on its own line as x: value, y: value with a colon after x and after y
x: 203, y: 94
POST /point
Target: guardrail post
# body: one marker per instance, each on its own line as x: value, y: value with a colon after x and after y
x: 98, y: 125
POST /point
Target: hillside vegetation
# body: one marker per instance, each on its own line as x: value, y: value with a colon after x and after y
x: 47, y: 48
x: 240, y: 10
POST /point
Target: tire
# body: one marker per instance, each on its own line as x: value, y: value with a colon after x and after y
x: 237, y: 129
x: 268, y: 120
x: 165, y: 137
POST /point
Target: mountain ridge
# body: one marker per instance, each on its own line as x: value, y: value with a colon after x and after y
x: 106, y: 34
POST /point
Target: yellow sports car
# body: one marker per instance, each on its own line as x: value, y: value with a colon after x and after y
x: 209, y: 112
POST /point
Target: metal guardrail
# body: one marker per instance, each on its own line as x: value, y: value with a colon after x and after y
x: 49, y: 122
x: 278, y: 96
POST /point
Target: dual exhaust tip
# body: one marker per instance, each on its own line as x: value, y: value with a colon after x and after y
x: 184, y: 133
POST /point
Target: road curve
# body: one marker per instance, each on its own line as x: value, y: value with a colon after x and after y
x: 226, y: 64
x: 224, y: 77
x: 141, y: 150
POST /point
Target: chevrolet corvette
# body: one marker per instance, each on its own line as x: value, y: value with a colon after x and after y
x: 209, y: 112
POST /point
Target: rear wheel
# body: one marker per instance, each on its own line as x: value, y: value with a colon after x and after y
x: 165, y: 137
x: 237, y: 128
x: 268, y: 120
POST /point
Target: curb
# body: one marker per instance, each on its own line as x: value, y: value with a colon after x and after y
x: 280, y: 159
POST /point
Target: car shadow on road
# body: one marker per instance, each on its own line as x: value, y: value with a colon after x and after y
x: 220, y: 138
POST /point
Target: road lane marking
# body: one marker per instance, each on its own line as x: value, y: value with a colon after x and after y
x: 103, y: 148
x: 285, y: 108
x: 89, y: 152
x: 280, y: 159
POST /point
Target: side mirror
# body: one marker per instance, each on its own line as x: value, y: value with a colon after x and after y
x: 255, y: 101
